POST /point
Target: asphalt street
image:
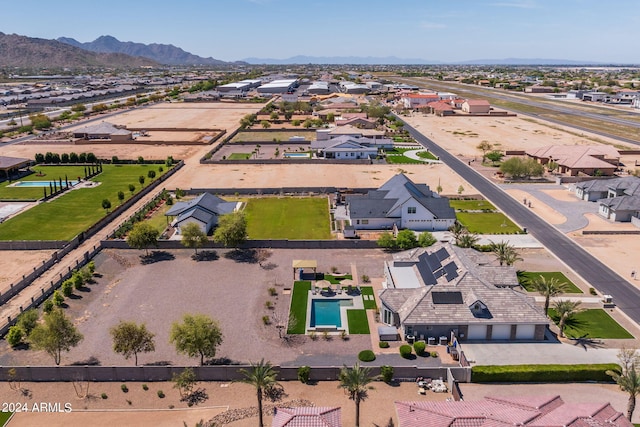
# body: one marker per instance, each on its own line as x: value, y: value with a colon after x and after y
x: 601, y: 277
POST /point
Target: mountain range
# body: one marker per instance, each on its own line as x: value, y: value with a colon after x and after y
x: 166, y: 54
x: 392, y: 60
x: 30, y: 52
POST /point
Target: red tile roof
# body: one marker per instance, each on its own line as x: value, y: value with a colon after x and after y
x: 477, y: 102
x: 307, y: 417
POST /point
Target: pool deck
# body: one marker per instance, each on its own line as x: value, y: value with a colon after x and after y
x: 328, y: 295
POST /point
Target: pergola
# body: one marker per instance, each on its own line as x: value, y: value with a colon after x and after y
x: 304, y: 263
x: 10, y: 164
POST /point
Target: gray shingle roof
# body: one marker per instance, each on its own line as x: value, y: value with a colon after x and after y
x: 473, y: 281
x: 622, y: 203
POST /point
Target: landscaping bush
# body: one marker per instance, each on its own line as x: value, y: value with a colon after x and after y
x: 383, y: 344
x: 145, y: 387
x: 273, y: 292
x: 15, y: 335
x: 303, y: 374
x: 405, y: 351
x: 266, y: 320
x: 67, y: 288
x: 434, y: 354
x: 593, y: 291
x: 124, y: 388
x: 543, y: 373
x: 161, y: 394
x: 366, y: 356
x: 419, y: 347
x: 47, y: 307
x: 58, y: 299
x: 386, y: 372
x: 104, y: 395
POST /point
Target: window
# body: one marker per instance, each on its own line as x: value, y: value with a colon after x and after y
x: 411, y: 210
x: 365, y: 221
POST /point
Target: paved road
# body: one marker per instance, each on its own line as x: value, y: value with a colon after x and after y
x: 601, y: 277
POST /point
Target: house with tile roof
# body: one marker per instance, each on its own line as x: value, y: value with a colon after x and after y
x: 444, y: 289
x: 346, y: 148
x: 618, y: 198
x: 531, y: 411
x: 574, y: 160
x: 204, y: 211
x: 416, y: 100
x: 401, y: 203
x: 315, y: 416
x: 103, y: 130
x: 476, y: 106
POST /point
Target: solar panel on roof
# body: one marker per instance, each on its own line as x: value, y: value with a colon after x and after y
x: 442, y: 254
x: 451, y: 271
x: 446, y: 297
x: 433, y: 262
x: 426, y: 274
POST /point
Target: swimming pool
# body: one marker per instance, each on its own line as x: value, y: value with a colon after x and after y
x: 43, y: 183
x: 297, y: 155
x: 327, y: 312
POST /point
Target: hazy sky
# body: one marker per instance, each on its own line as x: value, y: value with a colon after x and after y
x: 442, y: 30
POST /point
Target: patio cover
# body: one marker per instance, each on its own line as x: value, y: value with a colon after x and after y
x: 304, y: 263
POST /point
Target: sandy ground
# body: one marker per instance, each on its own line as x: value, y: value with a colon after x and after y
x: 378, y: 408
x: 14, y: 264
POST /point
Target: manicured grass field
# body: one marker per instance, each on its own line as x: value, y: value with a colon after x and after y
x: 369, y: 304
x: 525, y: 278
x: 288, y: 218
x: 426, y: 155
x: 270, y: 136
x: 77, y: 210
x: 298, y: 309
x: 471, y: 205
x: 487, y: 223
x: 158, y: 220
x: 239, y: 156
x: 358, y: 323
x: 335, y: 280
x: 592, y: 323
x: 396, y: 155
x: 34, y: 193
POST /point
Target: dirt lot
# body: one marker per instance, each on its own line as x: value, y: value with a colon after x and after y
x: 377, y: 409
x: 13, y: 264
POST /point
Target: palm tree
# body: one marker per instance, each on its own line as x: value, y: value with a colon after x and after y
x: 511, y: 257
x: 548, y: 288
x: 629, y: 379
x: 505, y: 253
x: 457, y: 230
x: 262, y: 377
x: 565, y: 310
x: 355, y: 381
x: 467, y: 240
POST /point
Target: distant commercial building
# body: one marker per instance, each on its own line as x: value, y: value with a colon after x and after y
x: 278, y: 86
x: 351, y: 87
x: 243, y: 85
x: 319, y: 88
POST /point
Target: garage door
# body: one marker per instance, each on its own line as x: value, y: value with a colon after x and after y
x: 501, y: 332
x: 525, y: 332
x: 477, y: 332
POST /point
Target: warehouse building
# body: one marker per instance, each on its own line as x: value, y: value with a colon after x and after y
x: 279, y: 86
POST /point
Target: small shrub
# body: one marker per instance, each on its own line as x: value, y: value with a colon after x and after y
x: 161, y: 394
x: 365, y: 278
x: 124, y: 388
x: 419, y: 347
x: 145, y: 387
x: 386, y: 372
x: 334, y: 269
x: 58, y: 299
x: 128, y: 401
x: 313, y: 336
x: 47, y: 307
x: 273, y: 292
x: 593, y: 291
x: 326, y: 336
x: 405, y: 351
x: 266, y: 320
x: 304, y: 372
x: 434, y: 354
x: 67, y: 288
x: 104, y: 395
x: 366, y: 356
x: 383, y: 344
x: 15, y: 335
x: 344, y: 335
x: 268, y: 304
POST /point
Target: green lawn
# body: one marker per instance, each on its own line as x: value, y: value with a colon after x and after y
x: 369, y: 304
x: 298, y: 307
x: 4, y: 417
x: 34, y: 193
x: 239, y: 156
x: 487, y: 223
x: 525, y: 278
x: 270, y: 136
x: 471, y: 205
x: 158, y: 220
x: 427, y: 155
x: 288, y: 218
x: 592, y: 323
x: 335, y: 280
x: 75, y: 211
x: 358, y: 323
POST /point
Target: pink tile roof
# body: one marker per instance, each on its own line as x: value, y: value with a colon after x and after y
x: 577, y: 156
x: 477, y: 102
x: 533, y: 411
x: 422, y: 96
x: 441, y: 106
x: 307, y: 417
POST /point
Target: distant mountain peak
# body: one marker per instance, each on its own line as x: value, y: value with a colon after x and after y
x: 163, y: 53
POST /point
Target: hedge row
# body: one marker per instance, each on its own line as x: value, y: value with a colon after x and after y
x: 543, y: 373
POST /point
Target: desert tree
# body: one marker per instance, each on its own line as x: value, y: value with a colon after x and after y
x: 193, y: 236
x: 628, y: 379
x: 197, y: 335
x: 142, y: 236
x: 231, y: 230
x: 484, y: 146
x: 55, y: 334
x: 129, y: 339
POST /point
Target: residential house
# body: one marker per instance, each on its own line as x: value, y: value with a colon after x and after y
x: 444, y: 289
x: 104, y: 130
x: 204, y: 210
x: 359, y: 122
x: 11, y: 165
x: 345, y: 148
x: 441, y: 108
x: 597, y: 189
x: 314, y: 416
x: 476, y: 106
x: 414, y: 101
x: 578, y: 159
x: 401, y: 203
x: 349, y: 130
x: 494, y: 411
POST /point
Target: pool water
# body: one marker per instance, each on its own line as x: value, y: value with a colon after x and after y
x: 43, y: 183
x: 327, y: 312
x: 297, y: 155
